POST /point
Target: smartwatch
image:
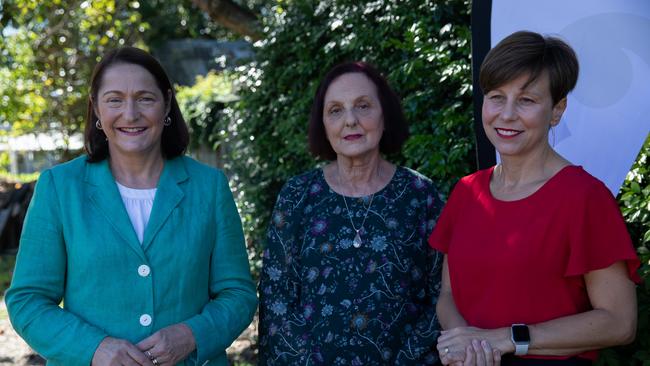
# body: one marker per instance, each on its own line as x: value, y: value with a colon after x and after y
x: 520, y: 336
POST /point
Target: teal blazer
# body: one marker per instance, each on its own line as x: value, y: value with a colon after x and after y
x: 78, y: 246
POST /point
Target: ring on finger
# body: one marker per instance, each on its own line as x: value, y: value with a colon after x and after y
x: 154, y: 361
x: 149, y: 355
x: 446, y: 350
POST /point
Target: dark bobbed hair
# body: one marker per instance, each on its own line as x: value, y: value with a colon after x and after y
x: 395, y: 128
x: 175, y: 137
x: 526, y: 52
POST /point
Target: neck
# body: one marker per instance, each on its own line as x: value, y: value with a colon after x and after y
x: 359, y: 177
x: 515, y: 171
x: 137, y: 172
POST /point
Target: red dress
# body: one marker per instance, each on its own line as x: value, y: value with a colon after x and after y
x: 523, y: 261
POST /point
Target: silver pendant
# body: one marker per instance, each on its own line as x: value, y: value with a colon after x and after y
x: 357, y: 241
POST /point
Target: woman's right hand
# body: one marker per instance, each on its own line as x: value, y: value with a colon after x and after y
x: 118, y: 352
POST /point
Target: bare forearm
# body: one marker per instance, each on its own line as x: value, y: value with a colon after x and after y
x: 611, y: 322
x: 568, y: 335
x: 586, y: 331
x: 448, y: 314
x: 564, y: 336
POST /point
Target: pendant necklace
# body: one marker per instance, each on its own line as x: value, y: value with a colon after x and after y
x: 357, y: 238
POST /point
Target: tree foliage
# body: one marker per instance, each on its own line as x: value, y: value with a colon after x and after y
x: 203, y: 109
x: 49, y: 50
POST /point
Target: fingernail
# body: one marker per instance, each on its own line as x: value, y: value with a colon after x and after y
x: 484, y: 344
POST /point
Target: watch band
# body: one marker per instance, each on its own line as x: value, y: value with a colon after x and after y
x: 521, y: 349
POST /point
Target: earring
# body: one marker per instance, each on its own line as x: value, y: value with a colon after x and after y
x: 167, y: 121
x: 98, y: 124
x: 553, y: 134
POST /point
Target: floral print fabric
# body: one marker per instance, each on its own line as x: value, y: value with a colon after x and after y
x: 325, y: 302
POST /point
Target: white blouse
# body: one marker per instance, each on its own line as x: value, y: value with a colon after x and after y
x: 138, y: 203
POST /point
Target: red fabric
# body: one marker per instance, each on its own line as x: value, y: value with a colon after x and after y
x: 522, y: 261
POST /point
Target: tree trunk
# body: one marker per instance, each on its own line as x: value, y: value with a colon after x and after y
x: 232, y: 16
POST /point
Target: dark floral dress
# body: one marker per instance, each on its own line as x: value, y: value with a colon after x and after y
x: 326, y: 302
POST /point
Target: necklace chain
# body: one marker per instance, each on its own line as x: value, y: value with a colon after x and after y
x: 357, y: 238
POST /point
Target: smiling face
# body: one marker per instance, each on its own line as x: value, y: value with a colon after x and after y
x: 352, y: 116
x: 517, y: 118
x: 131, y: 108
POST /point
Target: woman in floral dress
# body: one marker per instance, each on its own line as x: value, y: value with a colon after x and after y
x: 348, y: 277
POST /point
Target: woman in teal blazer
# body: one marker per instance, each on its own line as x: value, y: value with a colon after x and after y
x: 100, y: 282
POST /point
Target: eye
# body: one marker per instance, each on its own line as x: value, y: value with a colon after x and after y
x: 334, y: 111
x: 113, y: 100
x: 526, y: 100
x: 496, y: 97
x: 146, y: 100
x: 363, y: 108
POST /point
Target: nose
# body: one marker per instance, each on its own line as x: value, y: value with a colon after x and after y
x: 509, y: 112
x: 131, y: 113
x: 350, y: 118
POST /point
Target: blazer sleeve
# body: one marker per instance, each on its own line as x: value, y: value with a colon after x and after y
x: 38, y: 286
x: 232, y: 291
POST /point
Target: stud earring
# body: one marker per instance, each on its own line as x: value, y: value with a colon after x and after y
x: 167, y: 121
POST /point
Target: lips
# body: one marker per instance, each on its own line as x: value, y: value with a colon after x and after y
x: 131, y: 130
x: 352, y: 137
x: 507, y: 133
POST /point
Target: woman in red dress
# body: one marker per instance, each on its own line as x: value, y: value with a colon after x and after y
x: 539, y: 267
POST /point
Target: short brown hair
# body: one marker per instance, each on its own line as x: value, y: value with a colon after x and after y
x: 395, y: 127
x: 526, y: 52
x: 175, y: 137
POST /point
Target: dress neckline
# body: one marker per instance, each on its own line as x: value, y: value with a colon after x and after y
x: 379, y: 192
x: 540, y: 191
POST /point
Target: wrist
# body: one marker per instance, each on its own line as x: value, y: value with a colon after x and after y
x: 504, y: 344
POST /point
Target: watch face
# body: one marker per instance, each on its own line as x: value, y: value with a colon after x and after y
x: 520, y: 333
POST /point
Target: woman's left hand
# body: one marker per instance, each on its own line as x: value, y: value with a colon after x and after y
x: 480, y: 354
x: 169, y: 345
x: 452, y: 343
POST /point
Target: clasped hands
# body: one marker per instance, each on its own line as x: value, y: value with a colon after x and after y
x: 471, y: 346
x: 166, y: 347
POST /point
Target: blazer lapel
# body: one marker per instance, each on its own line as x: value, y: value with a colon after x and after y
x: 168, y: 195
x: 104, y: 194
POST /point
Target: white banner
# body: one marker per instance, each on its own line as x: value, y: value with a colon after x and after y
x: 608, y: 114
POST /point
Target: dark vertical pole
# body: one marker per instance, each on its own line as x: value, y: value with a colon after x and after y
x: 481, y: 43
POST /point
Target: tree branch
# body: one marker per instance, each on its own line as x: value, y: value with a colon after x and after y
x: 232, y: 16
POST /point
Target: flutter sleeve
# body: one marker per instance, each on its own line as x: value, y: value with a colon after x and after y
x: 598, y: 236
x: 444, y: 229
x: 284, y: 334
